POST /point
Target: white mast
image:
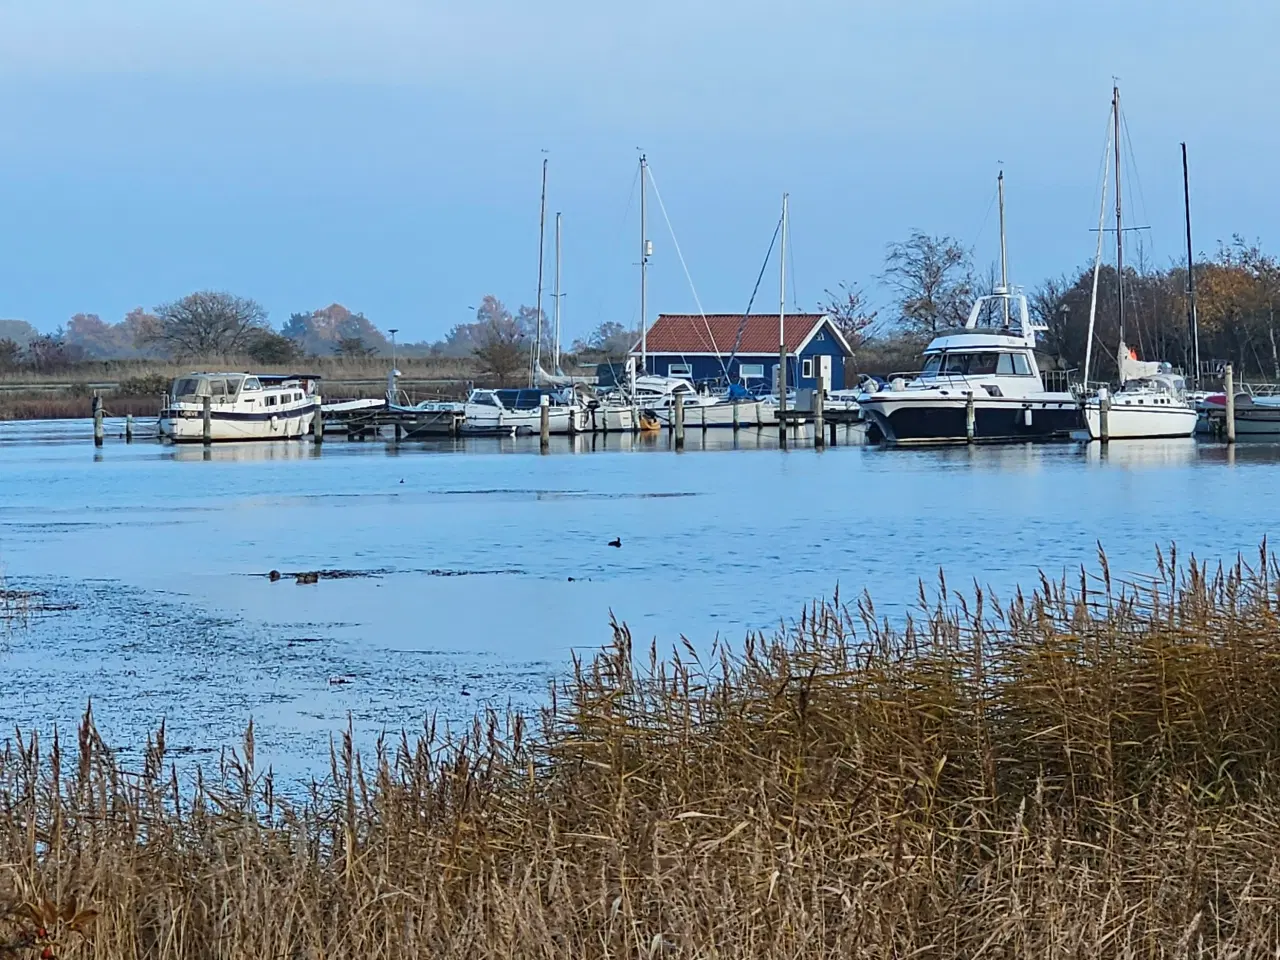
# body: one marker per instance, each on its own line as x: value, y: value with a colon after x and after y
x: 535, y: 361
x: 646, y: 249
x: 1097, y: 257
x: 1004, y: 256
x: 556, y: 299
x: 782, y: 323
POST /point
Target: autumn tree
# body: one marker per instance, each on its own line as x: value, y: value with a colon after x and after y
x: 932, y: 278
x: 208, y: 324
x: 10, y: 355
x: 268, y: 347
x: 502, y: 344
x: 848, y: 309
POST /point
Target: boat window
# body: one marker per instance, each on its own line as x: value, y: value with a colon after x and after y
x: 251, y: 384
x: 931, y: 365
x: 186, y: 387
x: 233, y: 385
x: 982, y: 364
x: 484, y: 400
x: 955, y: 363
x: 271, y: 400
x: 1020, y: 365
x: 1004, y: 366
x: 218, y: 388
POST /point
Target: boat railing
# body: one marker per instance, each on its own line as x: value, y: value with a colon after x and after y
x: 1057, y: 381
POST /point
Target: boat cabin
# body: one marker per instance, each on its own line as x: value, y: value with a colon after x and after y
x: 266, y: 390
x: 525, y: 398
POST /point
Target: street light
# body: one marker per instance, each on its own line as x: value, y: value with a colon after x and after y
x: 393, y: 331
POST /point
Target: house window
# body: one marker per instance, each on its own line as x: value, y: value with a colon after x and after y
x: 806, y: 368
x: 679, y: 370
x: 751, y: 371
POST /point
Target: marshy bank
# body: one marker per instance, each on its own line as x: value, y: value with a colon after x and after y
x: 1090, y: 769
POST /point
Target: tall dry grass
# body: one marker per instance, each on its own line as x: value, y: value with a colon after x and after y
x: 1087, y: 770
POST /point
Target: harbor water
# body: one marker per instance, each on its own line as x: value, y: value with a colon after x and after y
x: 467, y: 573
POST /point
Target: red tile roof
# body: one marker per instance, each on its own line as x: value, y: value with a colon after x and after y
x: 717, y: 333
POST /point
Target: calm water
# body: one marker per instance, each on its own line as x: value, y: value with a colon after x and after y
x: 486, y: 565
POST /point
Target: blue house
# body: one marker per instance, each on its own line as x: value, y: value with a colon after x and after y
x: 744, y: 349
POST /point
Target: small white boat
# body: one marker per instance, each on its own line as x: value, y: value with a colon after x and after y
x: 1151, y: 403
x: 508, y: 412
x: 242, y: 406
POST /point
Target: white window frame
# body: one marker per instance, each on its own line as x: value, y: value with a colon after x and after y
x: 680, y: 370
x: 806, y: 368
x: 751, y: 371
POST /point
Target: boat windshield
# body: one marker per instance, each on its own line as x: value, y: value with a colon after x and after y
x: 483, y: 399
x: 186, y: 387
x: 932, y: 365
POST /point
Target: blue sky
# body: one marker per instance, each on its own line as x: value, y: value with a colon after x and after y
x: 386, y: 154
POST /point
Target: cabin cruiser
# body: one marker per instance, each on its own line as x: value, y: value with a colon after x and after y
x: 503, y: 412
x: 242, y: 406
x: 1152, y: 402
x: 980, y: 383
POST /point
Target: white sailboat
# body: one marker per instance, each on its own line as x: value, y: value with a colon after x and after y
x: 1151, y: 401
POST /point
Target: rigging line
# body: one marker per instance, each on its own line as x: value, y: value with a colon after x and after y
x: 685, y: 266
x: 1133, y: 165
x: 742, y: 325
x: 986, y: 218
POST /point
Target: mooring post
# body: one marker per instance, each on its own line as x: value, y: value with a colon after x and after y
x: 317, y: 423
x: 128, y: 428
x: 677, y: 420
x: 737, y: 421
x: 98, y: 433
x: 819, y: 435
x: 1229, y: 381
x: 544, y: 424
x: 832, y: 426
x: 398, y: 431
x: 970, y: 419
x: 1104, y: 415
x: 207, y: 416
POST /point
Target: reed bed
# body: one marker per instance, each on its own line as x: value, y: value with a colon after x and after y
x: 1085, y: 770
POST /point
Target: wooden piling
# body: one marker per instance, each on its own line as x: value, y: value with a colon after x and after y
x: 832, y: 427
x: 1229, y: 381
x: 399, y: 431
x: 544, y: 425
x: 677, y: 420
x: 1104, y: 415
x: 819, y: 435
x: 317, y: 423
x: 207, y: 415
x: 128, y: 428
x: 737, y: 421
x: 98, y: 429
x: 970, y: 419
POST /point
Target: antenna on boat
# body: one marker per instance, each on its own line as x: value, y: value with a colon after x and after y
x: 535, y: 360
x: 646, y: 250
x: 556, y: 300
x: 782, y: 325
x: 1193, y: 320
x: 1004, y: 255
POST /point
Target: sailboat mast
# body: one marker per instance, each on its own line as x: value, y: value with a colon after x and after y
x: 782, y: 322
x: 1097, y: 263
x: 557, y: 296
x: 535, y: 363
x: 1193, y: 321
x: 1004, y: 255
x: 644, y: 270
x: 1115, y: 91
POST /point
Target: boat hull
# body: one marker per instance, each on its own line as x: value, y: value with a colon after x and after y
x: 1140, y: 422
x: 753, y: 413
x: 187, y: 425
x: 907, y: 420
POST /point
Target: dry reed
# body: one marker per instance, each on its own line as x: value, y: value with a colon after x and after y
x: 1089, y: 770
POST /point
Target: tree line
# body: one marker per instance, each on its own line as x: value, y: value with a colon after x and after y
x: 931, y: 283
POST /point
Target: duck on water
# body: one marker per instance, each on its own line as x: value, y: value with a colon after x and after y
x: 980, y: 383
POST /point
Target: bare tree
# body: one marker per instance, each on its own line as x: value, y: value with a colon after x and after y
x: 847, y: 308
x: 207, y: 324
x: 933, y: 280
x: 502, y: 347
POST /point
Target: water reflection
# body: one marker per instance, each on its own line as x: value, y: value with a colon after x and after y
x: 1165, y: 452
x: 246, y: 452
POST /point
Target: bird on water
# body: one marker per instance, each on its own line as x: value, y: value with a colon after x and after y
x: 616, y: 542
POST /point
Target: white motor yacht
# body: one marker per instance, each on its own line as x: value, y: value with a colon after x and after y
x: 980, y: 383
x: 519, y: 411
x: 242, y: 406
